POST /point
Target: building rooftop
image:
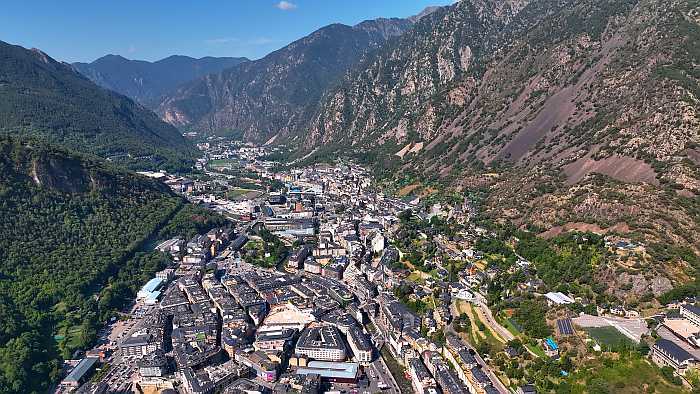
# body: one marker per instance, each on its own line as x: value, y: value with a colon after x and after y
x: 152, y: 285
x: 466, y: 357
x: 359, y: 338
x: 480, y: 376
x: 155, y: 359
x: 692, y: 308
x: 559, y: 298
x: 331, y: 370
x: 326, y: 337
x: 286, y: 315
x: 681, y: 327
x: 138, y: 339
x: 420, y: 370
x: 552, y: 345
x: 272, y: 335
x: 673, y: 351
x: 81, y: 369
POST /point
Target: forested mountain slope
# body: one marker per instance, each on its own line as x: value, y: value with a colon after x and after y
x: 69, y: 225
x: 278, y: 92
x: 42, y: 97
x: 568, y: 113
x: 144, y: 81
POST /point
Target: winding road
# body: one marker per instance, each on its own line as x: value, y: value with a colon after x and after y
x: 484, y: 366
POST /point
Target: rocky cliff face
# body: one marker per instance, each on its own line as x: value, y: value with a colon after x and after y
x: 531, y: 82
x: 402, y: 86
x: 145, y: 81
x: 277, y: 93
x: 577, y: 111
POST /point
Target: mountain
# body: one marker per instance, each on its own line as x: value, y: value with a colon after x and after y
x: 570, y: 114
x: 264, y: 97
x: 69, y: 226
x: 144, y: 81
x: 42, y: 97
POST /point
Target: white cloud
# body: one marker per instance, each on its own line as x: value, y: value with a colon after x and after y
x: 286, y: 5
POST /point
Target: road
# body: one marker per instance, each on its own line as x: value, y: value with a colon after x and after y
x: 378, y: 366
x: 484, y: 366
x: 121, y: 373
x: 493, y: 324
x: 381, y: 371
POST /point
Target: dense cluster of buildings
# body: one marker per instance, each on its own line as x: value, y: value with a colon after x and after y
x: 219, y: 322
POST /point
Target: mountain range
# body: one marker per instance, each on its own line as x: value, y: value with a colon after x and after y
x: 572, y: 114
x: 550, y: 115
x: 274, y: 94
x: 40, y: 96
x: 145, y: 81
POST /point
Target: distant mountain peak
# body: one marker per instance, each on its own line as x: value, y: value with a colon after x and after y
x: 267, y: 96
x: 146, y: 81
x: 66, y: 108
x: 41, y: 55
x: 110, y: 57
x: 426, y: 11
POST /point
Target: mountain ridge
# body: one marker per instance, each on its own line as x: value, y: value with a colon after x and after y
x: 146, y: 81
x: 44, y: 98
x: 90, y: 218
x: 565, y: 111
x: 278, y: 92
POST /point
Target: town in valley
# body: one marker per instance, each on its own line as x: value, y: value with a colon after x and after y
x: 313, y: 286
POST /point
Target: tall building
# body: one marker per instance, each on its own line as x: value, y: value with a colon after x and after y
x: 360, y: 345
x: 321, y: 343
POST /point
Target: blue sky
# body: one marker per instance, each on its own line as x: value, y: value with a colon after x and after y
x: 83, y: 30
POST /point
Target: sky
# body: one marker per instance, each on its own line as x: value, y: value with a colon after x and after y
x: 84, y: 30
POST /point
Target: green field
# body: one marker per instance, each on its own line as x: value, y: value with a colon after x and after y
x: 536, y: 349
x: 508, y: 324
x: 241, y: 192
x: 415, y: 277
x: 609, y: 337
